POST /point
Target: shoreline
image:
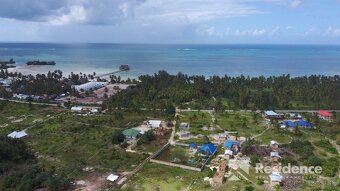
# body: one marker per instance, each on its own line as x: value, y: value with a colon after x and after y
x: 29, y: 70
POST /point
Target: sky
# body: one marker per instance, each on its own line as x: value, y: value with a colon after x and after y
x: 171, y: 21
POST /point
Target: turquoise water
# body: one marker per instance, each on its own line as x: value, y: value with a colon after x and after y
x: 232, y: 60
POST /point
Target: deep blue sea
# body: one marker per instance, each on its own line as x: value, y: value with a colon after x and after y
x: 208, y: 60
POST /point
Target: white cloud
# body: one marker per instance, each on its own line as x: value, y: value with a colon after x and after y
x: 77, y: 14
x: 295, y: 3
x: 335, y: 32
x: 194, y: 11
x: 289, y: 27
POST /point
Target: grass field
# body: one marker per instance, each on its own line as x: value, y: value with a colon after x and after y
x: 160, y: 177
x: 245, y: 123
x: 66, y: 142
x: 197, y: 121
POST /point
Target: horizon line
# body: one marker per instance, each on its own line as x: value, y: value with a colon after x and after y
x: 160, y: 43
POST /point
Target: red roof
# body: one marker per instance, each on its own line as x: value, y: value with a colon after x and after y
x: 324, y: 113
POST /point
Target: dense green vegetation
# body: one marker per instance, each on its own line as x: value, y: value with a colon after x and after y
x: 20, y: 170
x: 162, y: 89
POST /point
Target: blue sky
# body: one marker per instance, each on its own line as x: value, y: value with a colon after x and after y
x: 171, y: 21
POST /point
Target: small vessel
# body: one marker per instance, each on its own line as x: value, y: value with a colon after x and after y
x: 5, y: 64
x: 124, y: 67
x: 11, y: 61
x: 41, y: 63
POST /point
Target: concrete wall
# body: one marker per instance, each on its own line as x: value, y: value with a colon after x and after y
x: 176, y: 165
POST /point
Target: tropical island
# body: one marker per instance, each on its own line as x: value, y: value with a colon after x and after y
x: 84, y: 132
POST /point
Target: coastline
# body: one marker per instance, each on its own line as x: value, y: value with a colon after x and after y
x: 32, y: 70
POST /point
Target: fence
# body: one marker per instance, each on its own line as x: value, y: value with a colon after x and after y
x: 152, y: 159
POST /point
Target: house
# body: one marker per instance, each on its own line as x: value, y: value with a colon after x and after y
x: 274, y: 145
x: 77, y: 109
x: 228, y: 152
x: 131, y: 133
x: 274, y: 156
x: 295, y: 116
x: 275, y: 179
x: 18, y: 135
x: 112, y: 178
x: 6, y: 82
x: 234, y: 146
x: 304, y: 123
x: 184, y: 126
x: 325, y: 115
x: 154, y: 123
x: 208, y: 149
x: 184, y: 135
x: 89, y: 86
x: 273, y: 115
x: 289, y: 124
x: 83, y: 109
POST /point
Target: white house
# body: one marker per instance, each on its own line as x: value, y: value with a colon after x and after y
x: 275, y: 178
x: 184, y: 126
x: 154, y: 123
x: 6, y: 82
x: 18, y: 135
x: 89, y: 86
x: 76, y: 109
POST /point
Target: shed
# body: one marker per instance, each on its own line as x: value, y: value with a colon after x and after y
x: 275, y: 177
x: 18, y: 135
x: 273, y: 142
x: 112, y: 177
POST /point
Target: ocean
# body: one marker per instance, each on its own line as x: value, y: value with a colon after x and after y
x: 208, y: 60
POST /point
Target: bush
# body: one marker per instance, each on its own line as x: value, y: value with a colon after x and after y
x: 313, y: 161
x: 117, y: 137
x: 253, y: 160
x: 249, y: 188
x: 288, y: 160
x: 260, y: 181
x: 330, y: 167
x: 325, y: 144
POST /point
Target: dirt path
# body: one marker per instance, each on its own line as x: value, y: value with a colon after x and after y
x: 173, y: 133
x: 258, y: 135
x: 335, y: 145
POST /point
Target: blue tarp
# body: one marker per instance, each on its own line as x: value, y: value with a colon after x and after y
x: 229, y: 144
x: 290, y: 124
x: 208, y: 149
x: 192, y: 145
x: 303, y: 123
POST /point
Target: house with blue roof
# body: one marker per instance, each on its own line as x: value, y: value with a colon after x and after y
x: 230, y: 144
x: 232, y: 147
x: 304, y: 123
x: 208, y: 149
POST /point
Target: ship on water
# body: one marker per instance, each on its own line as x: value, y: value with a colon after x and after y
x: 7, y: 64
x: 41, y: 63
x: 124, y: 67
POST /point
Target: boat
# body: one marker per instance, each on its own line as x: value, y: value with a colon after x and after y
x: 11, y: 61
x: 41, y: 63
x: 124, y: 67
x: 5, y: 64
